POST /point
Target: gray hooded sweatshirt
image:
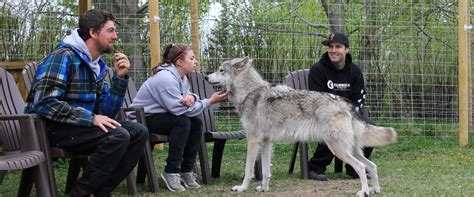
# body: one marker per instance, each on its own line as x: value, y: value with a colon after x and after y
x: 162, y: 93
x: 76, y: 41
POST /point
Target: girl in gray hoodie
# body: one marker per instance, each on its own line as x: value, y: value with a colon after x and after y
x: 172, y: 110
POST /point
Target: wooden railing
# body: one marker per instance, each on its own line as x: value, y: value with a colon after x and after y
x: 15, y: 69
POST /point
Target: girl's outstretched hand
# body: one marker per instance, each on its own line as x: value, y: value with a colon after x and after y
x: 218, y: 97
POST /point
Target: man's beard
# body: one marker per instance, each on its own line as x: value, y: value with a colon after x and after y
x: 107, y: 50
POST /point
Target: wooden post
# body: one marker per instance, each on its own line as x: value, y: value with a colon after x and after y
x: 154, y: 17
x: 464, y: 42
x: 84, y: 5
x: 196, y: 41
x: 155, y: 53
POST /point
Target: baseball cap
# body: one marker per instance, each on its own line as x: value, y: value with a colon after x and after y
x: 338, y: 37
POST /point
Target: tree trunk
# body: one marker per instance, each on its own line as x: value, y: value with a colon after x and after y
x: 368, y: 58
x: 128, y: 23
x: 335, y: 12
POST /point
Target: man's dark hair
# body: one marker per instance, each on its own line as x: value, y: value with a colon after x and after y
x: 93, y: 19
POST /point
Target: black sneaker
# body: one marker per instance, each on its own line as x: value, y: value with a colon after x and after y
x: 317, y: 176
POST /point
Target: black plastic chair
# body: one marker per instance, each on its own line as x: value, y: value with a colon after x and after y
x: 146, y: 167
x: 154, y: 139
x: 21, y: 144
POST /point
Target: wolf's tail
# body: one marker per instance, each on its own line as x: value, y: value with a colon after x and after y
x: 375, y: 136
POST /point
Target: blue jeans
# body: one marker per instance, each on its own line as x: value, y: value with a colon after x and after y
x: 113, y: 155
x: 184, y: 135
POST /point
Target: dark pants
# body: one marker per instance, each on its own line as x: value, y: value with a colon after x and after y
x: 322, y: 157
x: 113, y: 155
x: 184, y: 135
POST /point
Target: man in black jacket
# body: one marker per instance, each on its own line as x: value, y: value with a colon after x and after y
x: 337, y: 74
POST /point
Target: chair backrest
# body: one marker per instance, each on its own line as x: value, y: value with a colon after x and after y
x: 203, y: 89
x: 29, y: 73
x: 131, y: 91
x: 11, y: 103
x: 297, y: 79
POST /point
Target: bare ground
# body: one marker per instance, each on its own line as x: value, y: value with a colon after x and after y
x: 333, y: 187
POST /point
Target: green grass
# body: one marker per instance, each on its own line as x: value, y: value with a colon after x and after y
x: 415, y: 166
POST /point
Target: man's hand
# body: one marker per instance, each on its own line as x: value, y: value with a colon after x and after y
x: 188, y: 100
x: 218, y: 97
x: 103, y: 121
x: 121, y: 64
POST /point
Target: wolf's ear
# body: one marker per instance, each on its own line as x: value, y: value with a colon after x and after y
x: 244, y: 61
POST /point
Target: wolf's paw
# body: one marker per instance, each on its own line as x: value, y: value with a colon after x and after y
x: 362, y: 193
x: 239, y: 188
x: 374, y: 190
x: 262, y: 188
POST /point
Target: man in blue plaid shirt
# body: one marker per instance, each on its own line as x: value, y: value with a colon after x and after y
x: 69, y: 91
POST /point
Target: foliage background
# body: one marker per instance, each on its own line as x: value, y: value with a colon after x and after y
x: 407, y: 49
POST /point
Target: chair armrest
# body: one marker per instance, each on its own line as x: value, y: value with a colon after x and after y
x: 139, y: 114
x: 127, y: 109
x: 224, y: 135
x: 18, y: 117
x: 29, y: 136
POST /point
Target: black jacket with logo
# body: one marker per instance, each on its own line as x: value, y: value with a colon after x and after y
x: 348, y: 82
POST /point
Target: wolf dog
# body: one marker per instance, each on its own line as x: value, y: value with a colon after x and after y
x: 279, y: 113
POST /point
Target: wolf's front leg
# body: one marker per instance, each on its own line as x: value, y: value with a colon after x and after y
x: 266, y: 166
x: 252, y: 151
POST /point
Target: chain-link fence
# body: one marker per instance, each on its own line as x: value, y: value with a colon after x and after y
x: 408, y: 50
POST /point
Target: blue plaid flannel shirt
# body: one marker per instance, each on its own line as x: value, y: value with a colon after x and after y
x: 65, y: 89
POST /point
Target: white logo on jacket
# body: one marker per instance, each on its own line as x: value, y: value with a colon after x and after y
x: 338, y: 86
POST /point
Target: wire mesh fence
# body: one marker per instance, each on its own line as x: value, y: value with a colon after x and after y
x: 406, y: 49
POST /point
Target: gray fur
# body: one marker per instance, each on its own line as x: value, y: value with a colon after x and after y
x: 280, y: 113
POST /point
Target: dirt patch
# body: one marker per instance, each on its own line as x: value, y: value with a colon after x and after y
x: 336, y: 187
